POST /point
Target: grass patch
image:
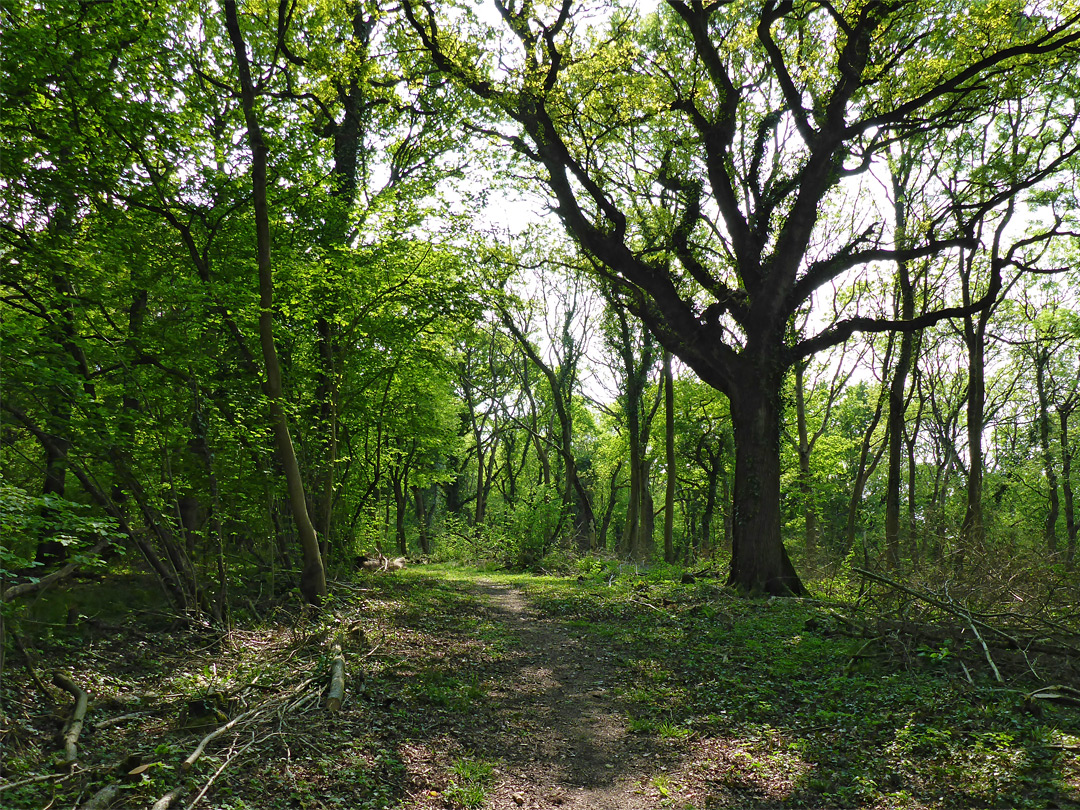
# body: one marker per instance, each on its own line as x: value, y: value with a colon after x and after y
x: 469, y: 783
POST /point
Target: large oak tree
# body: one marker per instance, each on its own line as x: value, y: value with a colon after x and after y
x: 702, y: 156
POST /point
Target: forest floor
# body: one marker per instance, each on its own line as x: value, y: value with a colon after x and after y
x: 468, y: 690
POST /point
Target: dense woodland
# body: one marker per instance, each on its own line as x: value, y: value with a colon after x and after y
x: 781, y: 293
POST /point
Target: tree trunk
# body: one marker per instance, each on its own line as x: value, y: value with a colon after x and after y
x: 974, y: 333
x: 1042, y: 359
x: 759, y: 561
x: 1066, y: 488
x: 613, y: 488
x: 867, y: 465
x: 669, y: 455
x: 897, y: 403
x: 637, y: 539
x: 575, y: 494
x: 711, y: 482
x: 422, y: 521
x: 313, y: 575
x: 326, y: 393
x: 805, y: 485
x: 399, y: 515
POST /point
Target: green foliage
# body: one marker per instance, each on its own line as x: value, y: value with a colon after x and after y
x: 26, y: 519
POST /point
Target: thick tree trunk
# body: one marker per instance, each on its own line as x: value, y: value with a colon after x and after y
x: 313, y: 575
x: 759, y: 561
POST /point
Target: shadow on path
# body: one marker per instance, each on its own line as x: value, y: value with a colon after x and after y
x: 565, y: 738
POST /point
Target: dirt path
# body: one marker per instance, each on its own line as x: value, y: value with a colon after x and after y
x: 565, y: 737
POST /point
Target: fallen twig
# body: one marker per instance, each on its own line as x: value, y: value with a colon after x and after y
x: 654, y: 607
x: 59, y: 777
x: 115, y: 721
x: 24, y: 588
x: 859, y: 654
x: 209, y: 738
x: 986, y: 650
x: 931, y: 600
x: 218, y: 773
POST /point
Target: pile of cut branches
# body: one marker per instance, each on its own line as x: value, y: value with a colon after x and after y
x: 280, y: 680
x: 918, y: 626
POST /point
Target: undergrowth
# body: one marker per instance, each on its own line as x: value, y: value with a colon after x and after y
x: 753, y: 703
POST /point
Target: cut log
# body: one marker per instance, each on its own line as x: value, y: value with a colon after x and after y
x: 103, y: 798
x: 336, y: 693
x: 166, y: 801
x: 74, y: 725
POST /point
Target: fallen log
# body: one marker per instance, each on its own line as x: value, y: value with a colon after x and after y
x: 166, y: 801
x: 336, y: 693
x: 73, y: 727
x: 103, y: 798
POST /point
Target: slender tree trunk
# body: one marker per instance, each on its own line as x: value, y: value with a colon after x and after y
x: 1071, y: 527
x: 637, y: 540
x: 974, y: 334
x: 866, y: 468
x: 729, y: 511
x: 400, y: 504
x: 897, y: 386
x: 480, y: 512
x: 805, y: 484
x: 326, y: 392
x: 711, y: 483
x: 50, y: 551
x: 609, y: 510
x: 421, y: 520
x: 575, y: 494
x: 1042, y: 358
x: 669, y: 455
x: 313, y: 575
x: 912, y: 491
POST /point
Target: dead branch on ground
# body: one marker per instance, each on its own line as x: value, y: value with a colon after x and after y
x: 74, y: 725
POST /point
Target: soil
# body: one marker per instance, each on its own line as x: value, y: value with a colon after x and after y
x: 573, y: 749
